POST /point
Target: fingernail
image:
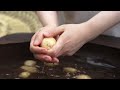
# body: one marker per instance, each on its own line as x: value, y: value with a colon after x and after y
x: 56, y: 61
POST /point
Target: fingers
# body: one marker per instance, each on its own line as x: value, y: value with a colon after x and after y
x: 46, y: 58
x: 43, y: 57
x: 46, y: 32
x: 53, y: 33
x: 35, y: 48
x: 33, y: 38
x: 38, y: 50
x: 55, y: 60
x: 42, y: 53
x: 38, y: 38
x: 57, y: 48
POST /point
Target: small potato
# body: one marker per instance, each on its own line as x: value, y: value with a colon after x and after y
x: 83, y: 76
x: 30, y: 69
x: 51, y: 64
x: 48, y: 43
x: 30, y: 63
x: 70, y: 70
x: 24, y: 75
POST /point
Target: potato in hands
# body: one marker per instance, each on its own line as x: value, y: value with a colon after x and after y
x: 48, y: 43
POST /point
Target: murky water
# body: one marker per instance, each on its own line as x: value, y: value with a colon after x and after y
x: 99, y: 62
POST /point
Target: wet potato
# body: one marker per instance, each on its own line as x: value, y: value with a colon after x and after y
x: 82, y: 76
x: 70, y: 70
x: 30, y: 69
x: 48, y: 43
x: 51, y: 64
x: 30, y: 63
x: 24, y: 75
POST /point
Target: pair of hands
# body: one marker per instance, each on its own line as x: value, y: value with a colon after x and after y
x: 71, y: 38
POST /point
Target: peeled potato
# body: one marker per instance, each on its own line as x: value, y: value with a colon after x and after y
x: 48, y: 43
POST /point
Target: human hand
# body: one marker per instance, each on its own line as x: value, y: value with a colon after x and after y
x: 73, y: 37
x: 39, y: 52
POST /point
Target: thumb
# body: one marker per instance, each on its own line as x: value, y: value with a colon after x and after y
x: 52, y: 33
x: 57, y: 48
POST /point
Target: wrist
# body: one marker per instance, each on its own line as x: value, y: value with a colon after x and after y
x: 91, y: 25
x: 89, y: 31
x: 53, y: 25
x: 93, y: 30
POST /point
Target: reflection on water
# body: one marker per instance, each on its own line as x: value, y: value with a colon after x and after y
x: 98, y: 63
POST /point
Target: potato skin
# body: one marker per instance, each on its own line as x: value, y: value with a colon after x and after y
x: 69, y: 70
x: 83, y: 76
x: 48, y: 43
x: 30, y: 69
x: 24, y: 75
x: 30, y: 63
x: 51, y: 64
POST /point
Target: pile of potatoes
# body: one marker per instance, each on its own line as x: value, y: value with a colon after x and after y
x: 28, y: 67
